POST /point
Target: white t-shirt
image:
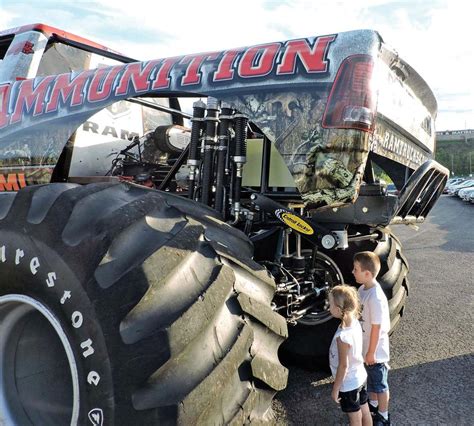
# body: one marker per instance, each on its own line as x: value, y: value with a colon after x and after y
x: 356, y: 374
x: 375, y: 311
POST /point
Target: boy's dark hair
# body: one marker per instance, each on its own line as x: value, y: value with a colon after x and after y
x: 368, y: 261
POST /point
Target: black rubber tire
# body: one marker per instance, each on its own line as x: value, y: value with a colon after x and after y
x: 165, y: 305
x: 308, y: 346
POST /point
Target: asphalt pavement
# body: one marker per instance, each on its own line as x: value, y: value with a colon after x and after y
x: 432, y: 352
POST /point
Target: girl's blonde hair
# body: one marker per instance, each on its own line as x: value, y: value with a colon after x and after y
x: 346, y: 298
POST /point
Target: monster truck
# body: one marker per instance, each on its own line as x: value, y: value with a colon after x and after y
x: 152, y: 258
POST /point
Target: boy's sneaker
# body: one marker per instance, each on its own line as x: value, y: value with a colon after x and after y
x: 379, y: 420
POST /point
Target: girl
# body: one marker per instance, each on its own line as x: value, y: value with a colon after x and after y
x: 345, y: 356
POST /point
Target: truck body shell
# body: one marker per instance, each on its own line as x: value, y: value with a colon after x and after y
x: 285, y: 88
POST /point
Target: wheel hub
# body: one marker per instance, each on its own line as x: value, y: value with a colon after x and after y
x: 38, y: 373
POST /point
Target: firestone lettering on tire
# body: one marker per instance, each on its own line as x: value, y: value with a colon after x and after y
x: 77, y: 318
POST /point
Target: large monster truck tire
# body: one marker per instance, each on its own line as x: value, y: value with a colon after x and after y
x: 123, y: 305
x: 308, y: 344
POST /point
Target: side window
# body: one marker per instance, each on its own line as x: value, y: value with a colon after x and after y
x: 279, y: 175
x: 4, y: 45
x: 60, y: 58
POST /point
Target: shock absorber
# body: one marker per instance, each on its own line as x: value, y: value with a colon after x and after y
x: 210, y: 141
x: 240, y: 157
x: 298, y: 261
x: 199, y: 108
x: 223, y: 138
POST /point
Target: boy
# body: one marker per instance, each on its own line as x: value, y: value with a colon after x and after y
x: 375, y: 321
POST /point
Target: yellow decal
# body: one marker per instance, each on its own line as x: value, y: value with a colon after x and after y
x: 296, y: 223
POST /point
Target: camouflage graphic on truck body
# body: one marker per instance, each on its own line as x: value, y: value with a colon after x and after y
x: 327, y: 165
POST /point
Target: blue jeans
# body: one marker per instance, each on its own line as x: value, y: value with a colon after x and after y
x: 377, y: 376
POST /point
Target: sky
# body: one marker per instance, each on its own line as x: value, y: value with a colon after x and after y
x: 433, y: 36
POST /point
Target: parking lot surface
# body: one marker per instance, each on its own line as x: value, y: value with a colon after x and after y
x: 432, y: 352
